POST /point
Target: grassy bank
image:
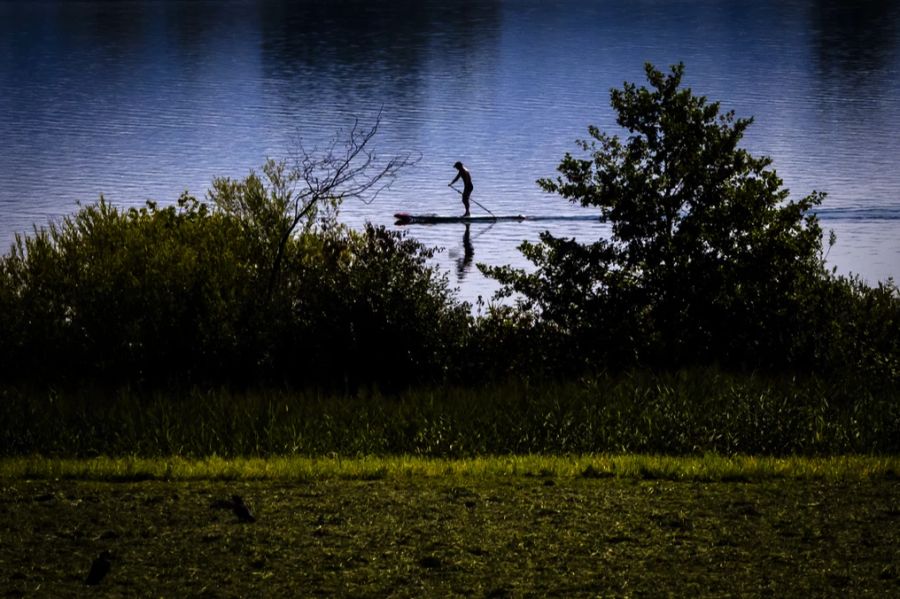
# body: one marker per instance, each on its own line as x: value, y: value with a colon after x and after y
x: 707, y: 468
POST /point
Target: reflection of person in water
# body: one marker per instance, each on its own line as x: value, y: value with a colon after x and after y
x: 463, y: 173
x: 463, y: 264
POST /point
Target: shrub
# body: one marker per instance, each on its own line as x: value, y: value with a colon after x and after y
x: 177, y: 295
x: 139, y: 294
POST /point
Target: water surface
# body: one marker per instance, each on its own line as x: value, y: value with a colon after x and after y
x: 143, y: 99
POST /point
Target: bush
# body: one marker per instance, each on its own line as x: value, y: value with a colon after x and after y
x: 365, y: 306
x: 177, y: 295
x: 140, y: 294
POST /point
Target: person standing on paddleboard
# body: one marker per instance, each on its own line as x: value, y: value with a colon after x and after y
x: 463, y: 173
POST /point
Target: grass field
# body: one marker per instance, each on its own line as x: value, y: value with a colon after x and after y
x: 527, y: 526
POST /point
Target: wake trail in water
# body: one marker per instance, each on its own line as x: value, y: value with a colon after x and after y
x: 859, y: 214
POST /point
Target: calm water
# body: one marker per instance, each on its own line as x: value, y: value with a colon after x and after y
x: 141, y: 100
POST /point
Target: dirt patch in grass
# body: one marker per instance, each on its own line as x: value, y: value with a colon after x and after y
x: 444, y: 536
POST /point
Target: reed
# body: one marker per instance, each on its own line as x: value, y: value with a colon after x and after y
x: 688, y: 413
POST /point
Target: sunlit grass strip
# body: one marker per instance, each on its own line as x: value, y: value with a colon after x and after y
x: 640, y: 467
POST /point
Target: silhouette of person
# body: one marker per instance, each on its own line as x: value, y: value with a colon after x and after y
x: 463, y: 264
x: 463, y: 173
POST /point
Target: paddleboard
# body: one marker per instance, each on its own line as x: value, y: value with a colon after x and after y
x: 405, y: 218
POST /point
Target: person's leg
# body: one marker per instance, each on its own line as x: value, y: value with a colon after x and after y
x: 465, y: 200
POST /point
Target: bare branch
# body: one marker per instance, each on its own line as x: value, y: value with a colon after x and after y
x: 355, y: 172
x: 346, y: 168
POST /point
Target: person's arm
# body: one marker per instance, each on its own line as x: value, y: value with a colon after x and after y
x: 455, y: 179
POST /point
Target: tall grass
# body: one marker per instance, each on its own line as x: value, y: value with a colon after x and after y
x: 685, y: 413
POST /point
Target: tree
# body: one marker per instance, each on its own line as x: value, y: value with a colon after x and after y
x: 706, y: 255
x: 311, y: 186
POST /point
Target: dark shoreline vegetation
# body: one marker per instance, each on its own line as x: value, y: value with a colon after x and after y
x: 687, y: 413
x: 253, y: 324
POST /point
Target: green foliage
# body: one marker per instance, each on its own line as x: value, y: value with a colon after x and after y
x: 844, y: 325
x: 709, y: 261
x: 187, y: 294
x: 365, y: 306
x: 270, y: 209
x: 123, y: 294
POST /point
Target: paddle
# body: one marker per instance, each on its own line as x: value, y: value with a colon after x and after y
x: 476, y: 201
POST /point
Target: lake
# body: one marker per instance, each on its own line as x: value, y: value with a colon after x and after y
x: 141, y: 100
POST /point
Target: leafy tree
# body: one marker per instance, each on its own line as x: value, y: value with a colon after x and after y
x: 707, y: 257
x: 293, y: 196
